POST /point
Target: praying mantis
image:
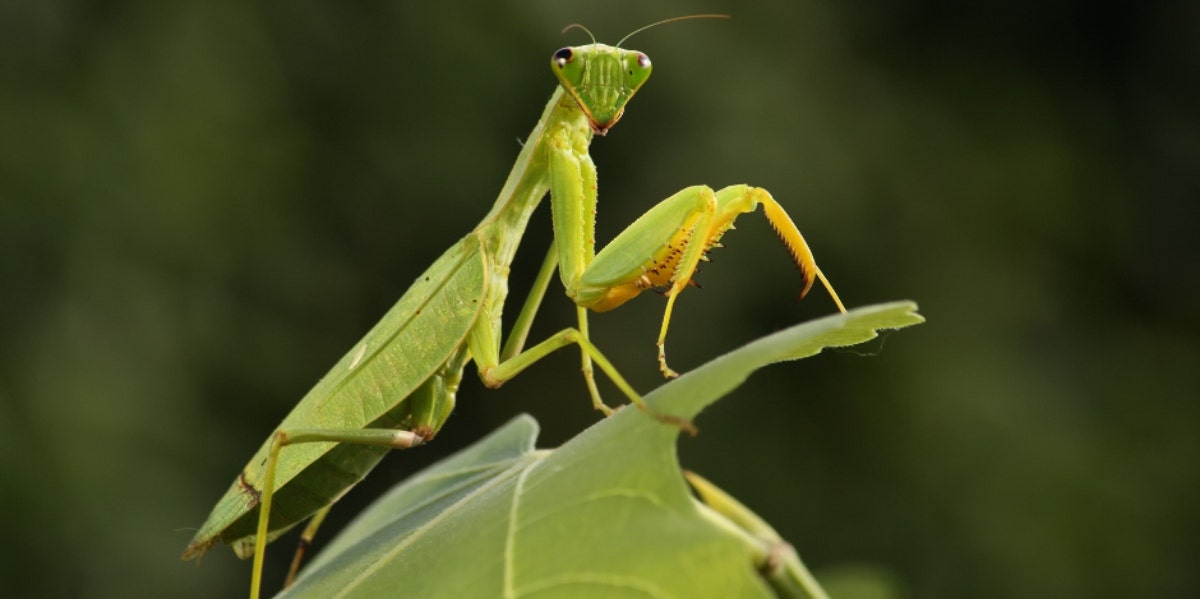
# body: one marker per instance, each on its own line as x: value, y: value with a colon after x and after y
x: 396, y: 387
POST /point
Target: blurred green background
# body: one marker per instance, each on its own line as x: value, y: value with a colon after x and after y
x: 204, y: 204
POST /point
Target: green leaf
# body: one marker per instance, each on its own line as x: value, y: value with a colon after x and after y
x: 608, y: 514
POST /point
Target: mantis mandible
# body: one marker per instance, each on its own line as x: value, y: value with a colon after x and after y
x: 396, y: 387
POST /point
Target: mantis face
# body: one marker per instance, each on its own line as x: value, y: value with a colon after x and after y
x: 601, y: 79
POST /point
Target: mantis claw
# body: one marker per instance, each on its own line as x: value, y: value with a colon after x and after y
x: 682, y: 424
x: 662, y: 363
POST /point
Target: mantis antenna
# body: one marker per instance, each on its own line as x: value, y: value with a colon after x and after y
x: 641, y: 29
x: 578, y: 26
x: 671, y: 20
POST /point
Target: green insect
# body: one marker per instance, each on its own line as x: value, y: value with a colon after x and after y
x: 396, y: 387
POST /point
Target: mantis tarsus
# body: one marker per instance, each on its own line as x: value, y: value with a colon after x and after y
x: 396, y: 387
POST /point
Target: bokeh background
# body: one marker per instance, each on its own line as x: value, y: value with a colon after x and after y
x: 203, y: 204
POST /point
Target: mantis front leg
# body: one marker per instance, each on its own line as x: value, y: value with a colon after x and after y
x: 663, y: 247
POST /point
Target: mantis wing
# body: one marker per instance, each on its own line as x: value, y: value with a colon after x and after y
x: 368, y: 387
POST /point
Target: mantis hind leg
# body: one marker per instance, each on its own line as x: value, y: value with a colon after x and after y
x: 306, y: 539
x: 426, y: 409
x: 391, y: 438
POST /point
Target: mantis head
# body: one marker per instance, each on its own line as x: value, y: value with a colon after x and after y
x: 601, y: 79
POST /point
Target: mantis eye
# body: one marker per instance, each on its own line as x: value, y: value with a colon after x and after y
x: 643, y: 60
x: 563, y: 56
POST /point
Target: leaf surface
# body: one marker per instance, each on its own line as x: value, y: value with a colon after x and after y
x: 608, y: 514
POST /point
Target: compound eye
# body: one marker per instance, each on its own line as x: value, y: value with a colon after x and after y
x: 563, y: 56
x: 643, y: 60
